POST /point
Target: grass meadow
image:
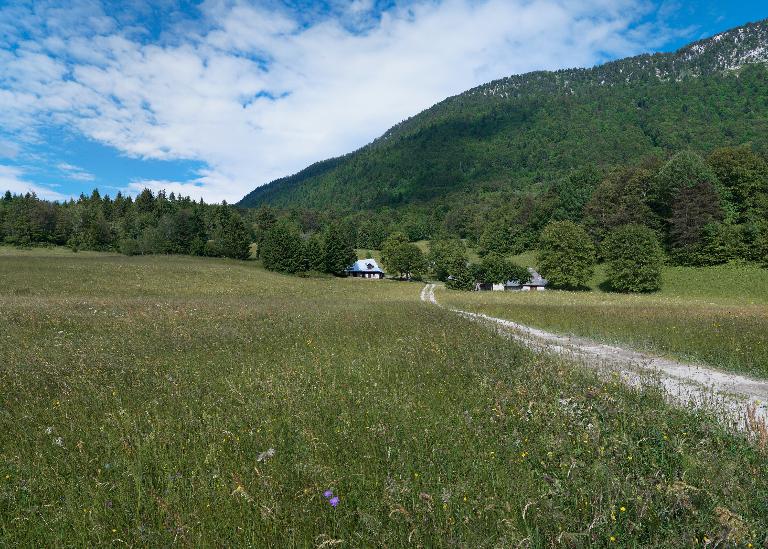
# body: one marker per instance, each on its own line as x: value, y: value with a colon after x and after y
x: 157, y: 401
x: 716, y: 315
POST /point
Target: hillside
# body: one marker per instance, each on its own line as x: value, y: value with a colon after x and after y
x: 526, y: 131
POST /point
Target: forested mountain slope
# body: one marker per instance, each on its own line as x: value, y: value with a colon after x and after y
x: 524, y: 132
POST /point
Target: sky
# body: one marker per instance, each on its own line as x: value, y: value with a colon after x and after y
x: 213, y: 98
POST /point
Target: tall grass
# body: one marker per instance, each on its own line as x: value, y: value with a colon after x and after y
x: 140, y: 398
x: 716, y: 315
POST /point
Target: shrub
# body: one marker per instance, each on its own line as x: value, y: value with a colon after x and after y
x: 635, y: 259
x: 566, y: 255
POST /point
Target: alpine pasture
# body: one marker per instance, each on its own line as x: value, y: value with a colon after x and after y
x: 153, y: 401
x: 714, y: 315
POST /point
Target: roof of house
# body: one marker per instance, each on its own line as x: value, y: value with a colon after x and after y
x: 536, y: 279
x: 365, y: 266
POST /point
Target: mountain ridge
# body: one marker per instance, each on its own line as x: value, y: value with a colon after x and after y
x: 498, y: 112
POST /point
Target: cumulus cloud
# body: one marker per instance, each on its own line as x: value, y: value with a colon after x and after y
x: 256, y: 92
x: 12, y: 179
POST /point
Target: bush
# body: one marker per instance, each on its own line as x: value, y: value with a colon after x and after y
x: 566, y: 255
x: 635, y: 259
x: 761, y: 244
x: 462, y: 279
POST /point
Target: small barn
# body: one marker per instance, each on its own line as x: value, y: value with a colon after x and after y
x: 536, y: 282
x: 365, y: 268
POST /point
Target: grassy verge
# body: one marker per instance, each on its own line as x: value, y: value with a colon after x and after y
x: 139, y: 398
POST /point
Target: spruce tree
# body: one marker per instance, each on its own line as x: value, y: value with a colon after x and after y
x: 282, y: 248
x: 338, y: 252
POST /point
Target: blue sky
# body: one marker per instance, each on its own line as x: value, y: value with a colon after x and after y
x: 214, y: 98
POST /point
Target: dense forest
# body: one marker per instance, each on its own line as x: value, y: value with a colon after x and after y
x: 702, y: 211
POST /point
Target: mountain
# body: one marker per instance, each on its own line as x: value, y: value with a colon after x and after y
x: 522, y: 133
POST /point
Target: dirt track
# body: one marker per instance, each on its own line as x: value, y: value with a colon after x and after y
x: 730, y: 395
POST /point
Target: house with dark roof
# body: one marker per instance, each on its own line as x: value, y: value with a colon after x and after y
x: 535, y: 283
x: 365, y: 268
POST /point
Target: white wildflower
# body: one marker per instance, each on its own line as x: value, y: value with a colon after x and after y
x: 264, y: 456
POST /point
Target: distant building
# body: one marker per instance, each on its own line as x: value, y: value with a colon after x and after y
x: 513, y: 286
x: 536, y: 283
x: 365, y: 268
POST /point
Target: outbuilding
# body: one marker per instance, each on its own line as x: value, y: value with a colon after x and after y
x: 365, y: 268
x: 536, y: 282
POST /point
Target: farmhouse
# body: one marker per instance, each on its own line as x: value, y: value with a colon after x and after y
x: 365, y: 268
x: 536, y: 282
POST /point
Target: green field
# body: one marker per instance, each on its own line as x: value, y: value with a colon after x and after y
x: 717, y: 315
x: 139, y: 397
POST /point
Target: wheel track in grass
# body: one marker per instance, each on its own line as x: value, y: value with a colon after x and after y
x: 741, y: 402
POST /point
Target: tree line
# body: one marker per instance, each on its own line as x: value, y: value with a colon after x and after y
x: 149, y: 224
x: 686, y: 210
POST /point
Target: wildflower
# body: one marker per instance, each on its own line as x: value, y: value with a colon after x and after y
x: 59, y: 442
x: 613, y: 538
x: 328, y: 494
x: 623, y: 509
x: 264, y: 456
x: 334, y: 501
x: 48, y: 430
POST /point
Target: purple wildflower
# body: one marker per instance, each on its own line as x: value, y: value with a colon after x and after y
x: 334, y: 501
x: 328, y: 494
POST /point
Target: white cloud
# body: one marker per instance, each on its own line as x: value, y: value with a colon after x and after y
x: 12, y: 179
x: 204, y: 92
x: 75, y: 173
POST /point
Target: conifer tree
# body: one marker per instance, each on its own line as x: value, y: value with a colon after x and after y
x: 338, y: 253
